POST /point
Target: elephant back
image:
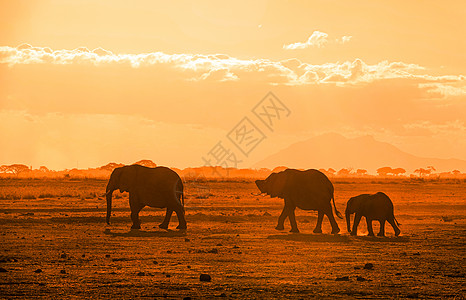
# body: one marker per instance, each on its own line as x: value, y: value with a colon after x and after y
x: 309, y: 189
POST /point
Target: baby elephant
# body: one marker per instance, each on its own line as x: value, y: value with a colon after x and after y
x: 374, y: 207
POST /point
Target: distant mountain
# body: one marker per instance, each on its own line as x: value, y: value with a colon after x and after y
x: 335, y: 151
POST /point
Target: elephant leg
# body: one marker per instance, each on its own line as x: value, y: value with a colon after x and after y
x: 369, y: 226
x: 357, y: 219
x: 292, y: 217
x: 180, y: 215
x: 282, y: 218
x: 392, y: 222
x: 382, y: 228
x: 333, y: 222
x: 135, y: 209
x: 320, y: 217
x: 168, y: 215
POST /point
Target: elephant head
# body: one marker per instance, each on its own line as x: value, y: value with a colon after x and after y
x: 274, y: 185
x: 121, y: 179
x: 353, y: 205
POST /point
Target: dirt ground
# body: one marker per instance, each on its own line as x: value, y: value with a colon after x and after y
x: 231, y: 237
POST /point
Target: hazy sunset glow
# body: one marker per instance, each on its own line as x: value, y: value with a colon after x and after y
x: 85, y: 83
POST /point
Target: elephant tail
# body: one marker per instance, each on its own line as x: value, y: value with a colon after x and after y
x: 397, y: 223
x: 336, y: 210
x: 182, y: 198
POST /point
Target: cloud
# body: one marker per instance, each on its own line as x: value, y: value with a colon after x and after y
x: 344, y: 39
x: 317, y: 39
x: 224, y: 68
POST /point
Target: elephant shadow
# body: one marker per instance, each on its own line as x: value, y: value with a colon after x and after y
x: 306, y: 237
x: 143, y: 233
x: 384, y: 239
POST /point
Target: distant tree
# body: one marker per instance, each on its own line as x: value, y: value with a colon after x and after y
x: 279, y: 169
x: 384, y: 171
x: 422, y: 171
x: 361, y: 172
x: 456, y: 172
x: 43, y: 169
x: 111, y: 166
x: 14, y: 169
x: 398, y: 171
x: 146, y: 163
x: 344, y: 172
x: 390, y: 171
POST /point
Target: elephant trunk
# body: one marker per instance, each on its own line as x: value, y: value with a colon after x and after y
x: 348, y: 220
x: 109, y: 205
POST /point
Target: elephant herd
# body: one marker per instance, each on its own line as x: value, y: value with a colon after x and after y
x: 162, y: 187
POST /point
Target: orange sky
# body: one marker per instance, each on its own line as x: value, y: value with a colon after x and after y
x: 167, y: 80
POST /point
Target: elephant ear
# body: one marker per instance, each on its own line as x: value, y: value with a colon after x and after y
x: 277, y: 184
x: 358, y: 202
x: 127, y: 178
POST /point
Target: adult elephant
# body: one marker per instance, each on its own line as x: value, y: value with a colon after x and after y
x: 155, y: 187
x: 373, y: 207
x: 308, y: 190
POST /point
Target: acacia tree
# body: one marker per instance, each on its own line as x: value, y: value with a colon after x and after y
x: 422, y: 171
x: 384, y: 171
x: 398, y: 171
x: 111, y: 166
x: 361, y: 172
x: 344, y: 172
x: 331, y: 171
x: 14, y: 169
x: 146, y: 163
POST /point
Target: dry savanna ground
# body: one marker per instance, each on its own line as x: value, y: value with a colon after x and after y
x: 55, y: 243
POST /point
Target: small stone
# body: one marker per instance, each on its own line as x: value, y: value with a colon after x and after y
x: 187, y: 240
x: 63, y: 255
x: 219, y: 245
x: 357, y: 268
x: 141, y: 274
x: 62, y: 271
x: 398, y: 274
x: 155, y: 262
x: 38, y: 271
x: 266, y: 214
x: 223, y: 295
x: 205, y: 277
x: 416, y: 253
x: 413, y: 296
x: 107, y: 255
x: 169, y: 251
x: 343, y: 278
x: 214, y: 250
x: 3, y: 270
x: 168, y: 276
x: 235, y: 247
x: 41, y: 284
x: 359, y: 278
x: 189, y: 267
x: 368, y: 266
